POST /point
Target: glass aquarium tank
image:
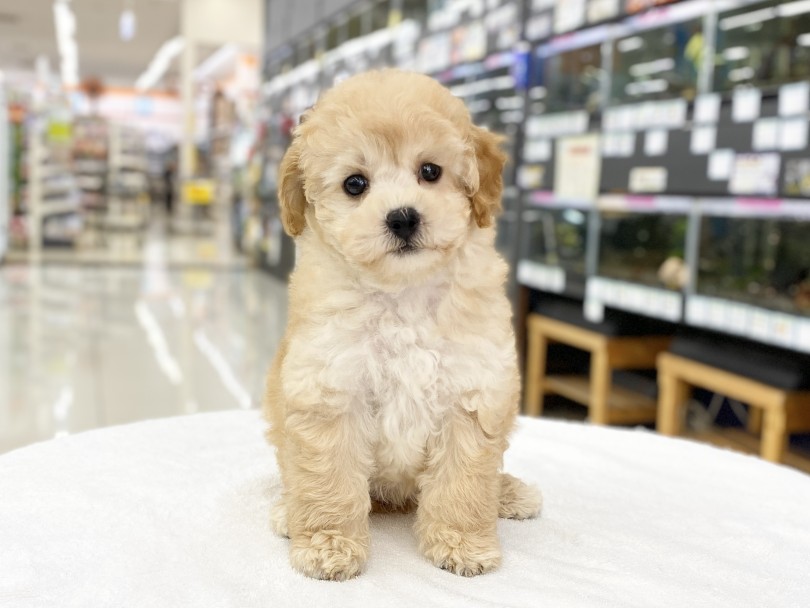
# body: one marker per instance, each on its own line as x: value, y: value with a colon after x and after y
x: 659, y: 63
x: 764, y: 262
x: 764, y: 44
x: 558, y: 237
x: 644, y: 248
x: 572, y: 80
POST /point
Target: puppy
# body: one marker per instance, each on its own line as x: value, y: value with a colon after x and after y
x: 396, y: 384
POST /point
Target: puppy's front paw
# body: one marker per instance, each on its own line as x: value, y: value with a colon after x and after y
x: 327, y: 555
x: 518, y: 500
x: 278, y: 519
x: 465, y: 554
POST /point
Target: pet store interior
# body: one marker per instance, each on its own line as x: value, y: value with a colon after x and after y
x: 656, y: 208
x: 655, y: 219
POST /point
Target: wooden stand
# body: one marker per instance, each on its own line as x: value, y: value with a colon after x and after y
x: 607, y: 404
x: 783, y: 411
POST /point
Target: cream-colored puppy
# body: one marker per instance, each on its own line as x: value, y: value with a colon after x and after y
x: 396, y: 384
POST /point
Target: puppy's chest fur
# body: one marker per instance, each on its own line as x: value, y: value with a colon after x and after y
x: 412, y: 373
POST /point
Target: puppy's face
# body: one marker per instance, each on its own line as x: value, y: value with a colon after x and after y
x: 388, y: 170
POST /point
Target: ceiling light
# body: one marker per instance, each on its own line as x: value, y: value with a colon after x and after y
x: 647, y: 86
x: 740, y: 74
x: 127, y: 25
x: 746, y: 19
x: 65, y: 23
x: 736, y: 53
x: 160, y: 63
x: 630, y: 44
x: 792, y: 9
x: 509, y: 103
x: 651, y: 67
x: 537, y: 92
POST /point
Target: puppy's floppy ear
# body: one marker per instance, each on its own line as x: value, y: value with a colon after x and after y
x: 291, y: 191
x: 485, y: 192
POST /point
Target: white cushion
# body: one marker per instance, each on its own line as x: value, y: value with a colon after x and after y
x: 174, y: 513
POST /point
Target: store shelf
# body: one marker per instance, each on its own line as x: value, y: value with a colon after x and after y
x: 59, y: 207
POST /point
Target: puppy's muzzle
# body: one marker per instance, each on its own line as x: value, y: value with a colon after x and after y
x: 403, y: 223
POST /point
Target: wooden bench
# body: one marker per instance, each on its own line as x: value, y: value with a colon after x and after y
x: 607, y: 404
x: 781, y: 411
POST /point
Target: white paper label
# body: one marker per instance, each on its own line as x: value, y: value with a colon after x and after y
x: 721, y: 163
x: 673, y: 113
x: 803, y: 336
x: 655, y: 142
x: 794, y: 99
x: 626, y: 144
x: 781, y: 329
x: 760, y: 325
x: 537, y: 151
x: 625, y: 117
x: 707, y: 108
x: 755, y: 174
x: 648, y: 179
x: 766, y: 134
x: 673, y: 307
x: 594, y: 310
x: 540, y: 276
x: 635, y: 298
x: 793, y: 134
x: 578, y: 168
x: 746, y: 105
x: 530, y: 177
x: 696, y: 310
x: 618, y: 145
x: 717, y: 313
x: 737, y: 320
x: 703, y: 139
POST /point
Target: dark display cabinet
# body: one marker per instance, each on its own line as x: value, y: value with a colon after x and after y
x: 697, y: 110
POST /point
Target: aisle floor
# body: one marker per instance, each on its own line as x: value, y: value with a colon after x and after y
x: 84, y: 346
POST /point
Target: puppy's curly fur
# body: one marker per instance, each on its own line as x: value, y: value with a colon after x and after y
x: 396, y: 384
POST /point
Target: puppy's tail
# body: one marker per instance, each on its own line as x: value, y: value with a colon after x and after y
x: 518, y: 500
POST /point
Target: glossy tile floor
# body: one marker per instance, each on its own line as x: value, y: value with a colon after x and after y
x: 84, y: 346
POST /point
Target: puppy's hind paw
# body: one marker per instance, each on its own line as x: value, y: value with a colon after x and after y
x: 518, y: 500
x: 462, y: 553
x: 327, y: 555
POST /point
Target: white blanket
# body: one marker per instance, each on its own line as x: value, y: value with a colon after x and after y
x: 174, y: 513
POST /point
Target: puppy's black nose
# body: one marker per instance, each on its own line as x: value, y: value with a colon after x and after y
x: 403, y: 222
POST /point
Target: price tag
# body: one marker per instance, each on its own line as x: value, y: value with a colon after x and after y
x: 703, y: 139
x: 760, y: 325
x: 746, y: 105
x: 594, y: 310
x: 696, y: 310
x: 655, y: 142
x: 794, y: 99
x: 793, y: 134
x: 766, y: 134
x: 707, y: 108
x: 802, y: 339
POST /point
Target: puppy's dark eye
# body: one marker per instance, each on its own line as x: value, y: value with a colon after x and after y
x: 430, y: 172
x: 355, y: 185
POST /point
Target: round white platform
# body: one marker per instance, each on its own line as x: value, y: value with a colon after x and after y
x: 175, y: 513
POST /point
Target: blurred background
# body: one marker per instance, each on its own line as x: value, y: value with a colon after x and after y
x: 657, y: 205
